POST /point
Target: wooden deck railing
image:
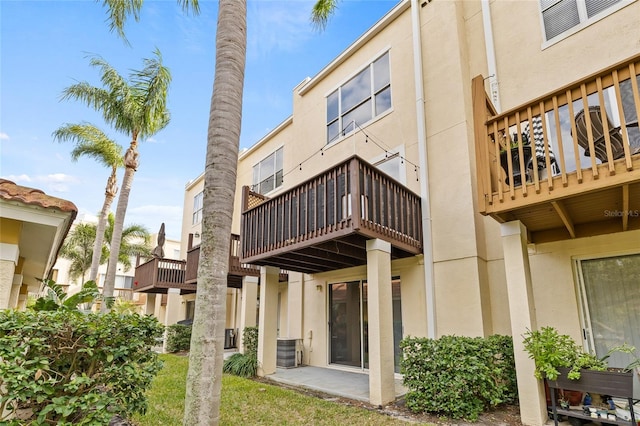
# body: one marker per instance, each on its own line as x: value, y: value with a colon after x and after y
x: 549, y: 148
x: 352, y: 197
x: 160, y: 273
x: 236, y: 267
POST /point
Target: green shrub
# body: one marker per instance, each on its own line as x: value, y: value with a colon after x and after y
x: 459, y: 377
x: 64, y: 367
x: 244, y: 364
x: 250, y: 340
x: 178, y: 338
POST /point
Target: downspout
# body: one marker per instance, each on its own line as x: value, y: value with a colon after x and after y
x: 424, y: 167
x: 491, y: 54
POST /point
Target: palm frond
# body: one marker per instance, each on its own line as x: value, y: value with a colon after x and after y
x: 321, y: 12
x: 90, y: 142
x: 152, y: 82
x: 190, y: 5
x: 118, y: 11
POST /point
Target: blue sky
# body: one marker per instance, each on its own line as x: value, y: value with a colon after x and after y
x: 44, y: 48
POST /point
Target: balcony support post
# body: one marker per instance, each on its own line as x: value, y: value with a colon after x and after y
x: 522, y: 313
x: 174, y: 311
x: 268, y: 331
x: 248, y: 305
x: 295, y: 301
x: 150, y: 304
x: 380, y: 313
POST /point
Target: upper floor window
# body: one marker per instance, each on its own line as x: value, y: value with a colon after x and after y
x: 360, y: 99
x: 197, y: 208
x: 559, y: 16
x: 267, y: 174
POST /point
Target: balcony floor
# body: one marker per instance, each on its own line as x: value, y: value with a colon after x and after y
x: 316, y: 255
x: 614, y: 209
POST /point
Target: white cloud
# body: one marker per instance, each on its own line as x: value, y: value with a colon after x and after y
x: 20, y: 178
x: 151, y: 140
x: 152, y: 216
x: 4, y: 136
x: 281, y: 26
x: 56, y: 182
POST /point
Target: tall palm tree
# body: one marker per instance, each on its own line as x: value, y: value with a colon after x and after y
x: 136, y: 107
x: 92, y: 142
x: 78, y: 248
x: 204, y: 379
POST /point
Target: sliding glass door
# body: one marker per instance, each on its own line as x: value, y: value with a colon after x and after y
x: 348, y: 323
x: 610, y: 290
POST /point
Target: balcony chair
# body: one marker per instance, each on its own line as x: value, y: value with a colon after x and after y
x: 597, y: 128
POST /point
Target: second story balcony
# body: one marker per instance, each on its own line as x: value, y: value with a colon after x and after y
x: 159, y: 275
x: 566, y: 164
x: 237, y: 269
x: 323, y: 224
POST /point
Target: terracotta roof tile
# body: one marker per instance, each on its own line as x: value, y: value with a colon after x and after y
x: 9, y: 191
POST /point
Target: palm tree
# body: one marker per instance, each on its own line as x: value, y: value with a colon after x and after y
x: 92, y: 142
x: 135, y: 241
x: 78, y: 248
x: 138, y: 108
x: 204, y: 379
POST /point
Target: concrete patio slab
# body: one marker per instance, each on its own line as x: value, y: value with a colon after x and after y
x: 346, y: 384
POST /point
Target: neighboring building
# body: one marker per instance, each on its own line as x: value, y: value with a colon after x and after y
x: 394, y: 203
x: 124, y: 282
x: 33, y: 226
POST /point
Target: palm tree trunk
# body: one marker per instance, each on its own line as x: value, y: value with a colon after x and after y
x: 204, y: 381
x: 131, y: 164
x: 109, y: 194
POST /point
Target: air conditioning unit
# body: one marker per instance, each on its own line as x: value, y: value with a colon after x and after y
x: 289, y: 353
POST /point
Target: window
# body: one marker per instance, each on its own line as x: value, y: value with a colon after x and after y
x: 267, y: 174
x: 197, y: 208
x: 190, y: 309
x: 559, y: 16
x: 360, y: 99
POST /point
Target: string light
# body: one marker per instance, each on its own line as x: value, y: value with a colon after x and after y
x: 381, y: 145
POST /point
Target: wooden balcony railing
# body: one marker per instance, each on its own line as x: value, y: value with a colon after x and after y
x: 236, y: 267
x: 158, y: 275
x: 542, y: 162
x: 319, y: 225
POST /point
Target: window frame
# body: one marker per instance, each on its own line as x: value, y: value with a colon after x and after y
x: 374, y: 92
x: 196, y: 217
x: 277, y: 180
x: 585, y: 20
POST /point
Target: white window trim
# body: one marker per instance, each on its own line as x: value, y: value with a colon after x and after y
x: 193, y: 213
x: 582, y: 25
x: 372, y: 59
x: 275, y: 188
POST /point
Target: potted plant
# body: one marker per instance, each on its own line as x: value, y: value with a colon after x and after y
x: 513, y: 151
x: 565, y: 365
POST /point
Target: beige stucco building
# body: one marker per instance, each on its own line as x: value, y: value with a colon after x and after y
x: 384, y: 211
x: 33, y: 226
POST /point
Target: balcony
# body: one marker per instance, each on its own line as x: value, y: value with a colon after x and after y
x: 237, y: 269
x: 323, y: 224
x: 159, y: 275
x: 564, y: 173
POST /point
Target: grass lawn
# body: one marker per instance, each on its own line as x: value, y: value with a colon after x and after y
x: 246, y: 402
